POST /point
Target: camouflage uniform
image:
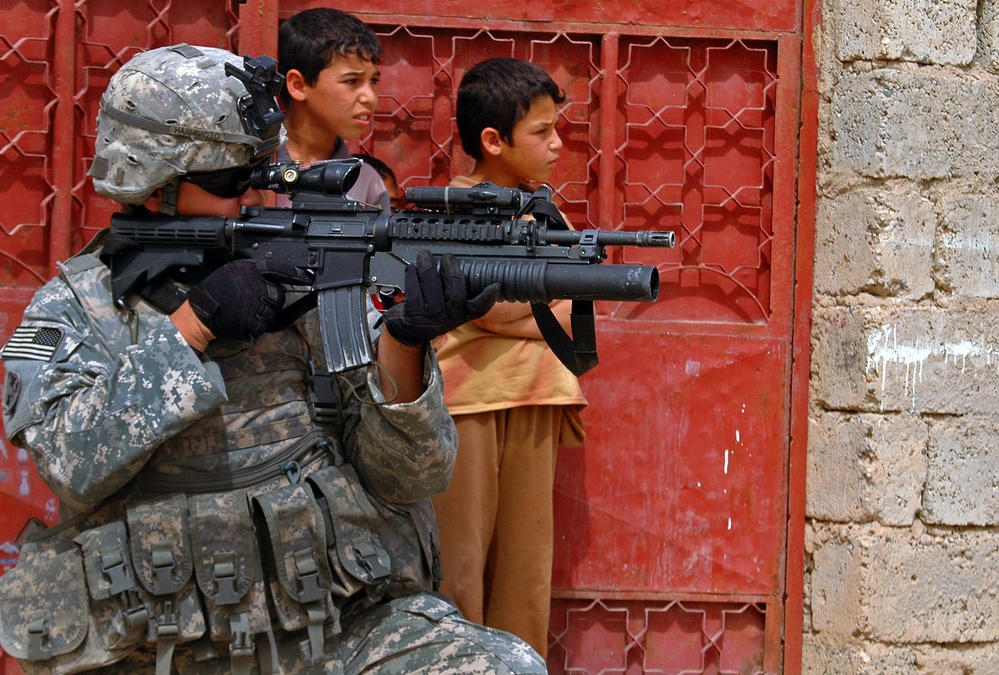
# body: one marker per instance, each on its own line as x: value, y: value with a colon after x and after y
x: 211, y: 524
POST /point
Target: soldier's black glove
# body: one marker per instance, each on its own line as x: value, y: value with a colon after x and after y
x: 436, y: 301
x: 241, y: 299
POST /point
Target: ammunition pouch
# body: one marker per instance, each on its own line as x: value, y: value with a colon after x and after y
x: 391, y: 550
x: 196, y: 570
x: 81, y: 603
x: 301, y: 579
x: 228, y: 571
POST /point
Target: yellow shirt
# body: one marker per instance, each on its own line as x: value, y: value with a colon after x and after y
x: 501, y: 361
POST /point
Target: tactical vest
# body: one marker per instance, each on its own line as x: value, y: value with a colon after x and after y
x: 195, y: 553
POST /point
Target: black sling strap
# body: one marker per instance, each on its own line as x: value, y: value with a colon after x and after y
x: 578, y: 353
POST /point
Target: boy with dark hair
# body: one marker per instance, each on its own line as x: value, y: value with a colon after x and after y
x: 388, y: 178
x: 513, y: 402
x: 330, y: 62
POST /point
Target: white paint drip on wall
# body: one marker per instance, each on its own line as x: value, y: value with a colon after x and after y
x: 884, y: 350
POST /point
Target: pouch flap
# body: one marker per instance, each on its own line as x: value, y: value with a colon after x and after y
x: 43, y: 605
x: 225, y: 557
x: 354, y: 520
x: 106, y: 560
x: 160, y: 543
x: 298, y: 542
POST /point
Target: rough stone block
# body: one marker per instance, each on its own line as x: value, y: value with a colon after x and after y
x: 968, y: 250
x: 865, y: 467
x: 908, y: 586
x: 988, y: 35
x: 914, y: 125
x: 836, y: 600
x: 875, y: 241
x: 818, y: 658
x: 962, y: 480
x: 924, y: 31
x: 894, y: 358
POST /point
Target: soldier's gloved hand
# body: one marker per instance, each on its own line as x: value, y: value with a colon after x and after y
x: 241, y: 299
x: 436, y: 301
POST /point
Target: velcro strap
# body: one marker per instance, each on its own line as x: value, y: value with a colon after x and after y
x: 165, y: 631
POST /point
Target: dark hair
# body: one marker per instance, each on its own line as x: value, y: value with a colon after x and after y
x: 498, y: 93
x: 310, y: 40
x: 383, y: 169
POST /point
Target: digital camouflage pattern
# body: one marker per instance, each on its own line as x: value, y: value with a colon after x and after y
x: 418, y: 634
x: 123, y: 402
x: 186, y: 86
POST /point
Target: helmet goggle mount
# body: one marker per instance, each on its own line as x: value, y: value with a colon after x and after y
x: 261, y: 117
x: 259, y: 109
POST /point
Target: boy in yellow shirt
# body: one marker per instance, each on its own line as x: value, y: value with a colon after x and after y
x: 512, y: 400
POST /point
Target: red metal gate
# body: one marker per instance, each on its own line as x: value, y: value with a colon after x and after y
x: 672, y: 521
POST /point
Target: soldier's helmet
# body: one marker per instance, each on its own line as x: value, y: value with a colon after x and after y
x: 183, y: 109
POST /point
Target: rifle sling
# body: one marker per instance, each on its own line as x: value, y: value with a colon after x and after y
x: 290, y: 313
x: 579, y: 352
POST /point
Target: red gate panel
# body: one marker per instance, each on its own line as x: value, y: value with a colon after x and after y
x: 680, y: 493
x: 671, y: 521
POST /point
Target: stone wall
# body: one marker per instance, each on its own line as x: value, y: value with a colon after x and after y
x: 902, y: 543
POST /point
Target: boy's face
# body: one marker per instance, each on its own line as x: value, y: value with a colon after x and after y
x: 393, y: 192
x: 536, y: 144
x: 344, y: 97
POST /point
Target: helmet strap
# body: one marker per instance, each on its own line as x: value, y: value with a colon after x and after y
x: 168, y: 204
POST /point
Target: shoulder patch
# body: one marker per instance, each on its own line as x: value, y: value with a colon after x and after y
x: 11, y: 391
x: 36, y: 343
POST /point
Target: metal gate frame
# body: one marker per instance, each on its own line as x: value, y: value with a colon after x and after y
x: 253, y: 30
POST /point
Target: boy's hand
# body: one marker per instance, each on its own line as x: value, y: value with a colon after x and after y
x: 436, y: 301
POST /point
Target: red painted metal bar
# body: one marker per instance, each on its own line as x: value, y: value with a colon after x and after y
x: 258, y: 24
x: 801, y: 340
x: 608, y: 141
x: 714, y: 16
x: 63, y: 134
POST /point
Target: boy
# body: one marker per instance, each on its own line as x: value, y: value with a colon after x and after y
x: 513, y: 402
x: 388, y: 177
x: 330, y: 62
x: 197, y: 485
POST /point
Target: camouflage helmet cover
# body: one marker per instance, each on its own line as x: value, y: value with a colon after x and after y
x: 167, y: 112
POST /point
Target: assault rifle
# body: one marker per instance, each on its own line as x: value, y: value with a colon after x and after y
x: 349, y: 250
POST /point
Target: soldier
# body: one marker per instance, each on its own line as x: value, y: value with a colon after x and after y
x: 211, y: 523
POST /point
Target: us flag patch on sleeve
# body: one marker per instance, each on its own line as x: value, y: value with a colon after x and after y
x: 32, y: 342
